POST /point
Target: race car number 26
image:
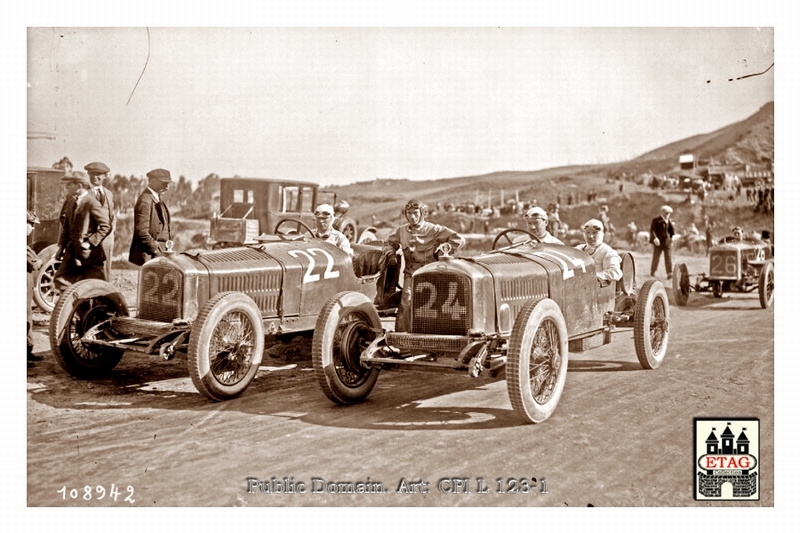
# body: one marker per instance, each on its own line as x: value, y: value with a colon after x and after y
x: 315, y: 272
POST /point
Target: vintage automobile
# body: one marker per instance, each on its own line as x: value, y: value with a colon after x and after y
x: 217, y: 306
x: 526, y: 304
x: 45, y: 197
x: 734, y: 265
x: 254, y: 206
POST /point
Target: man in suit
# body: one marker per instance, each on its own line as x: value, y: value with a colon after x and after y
x: 84, y: 225
x: 151, y: 220
x: 98, y: 172
x: 661, y: 232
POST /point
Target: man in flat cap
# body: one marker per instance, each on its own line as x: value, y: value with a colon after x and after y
x: 98, y: 172
x: 661, y: 232
x: 151, y: 221
x: 325, y: 231
x: 536, y: 220
x: 607, y: 262
x: 84, y: 225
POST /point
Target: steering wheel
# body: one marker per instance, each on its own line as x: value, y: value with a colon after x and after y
x: 510, y: 240
x: 299, y: 229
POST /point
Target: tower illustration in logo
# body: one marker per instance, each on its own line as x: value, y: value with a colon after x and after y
x: 726, y: 467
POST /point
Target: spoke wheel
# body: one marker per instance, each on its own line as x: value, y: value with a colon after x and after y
x: 348, y: 228
x: 766, y: 285
x: 45, y: 293
x: 81, y: 307
x: 345, y: 327
x: 506, y: 238
x: 681, y: 285
x: 538, y: 357
x: 226, y: 346
x: 651, y: 324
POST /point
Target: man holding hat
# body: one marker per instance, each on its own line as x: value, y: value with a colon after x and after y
x: 536, y: 220
x: 151, y: 221
x: 84, y: 225
x: 98, y: 172
x: 323, y: 215
x: 661, y: 232
x: 607, y: 262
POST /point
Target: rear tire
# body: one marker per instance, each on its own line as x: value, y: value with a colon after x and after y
x: 681, y: 285
x: 651, y: 324
x: 766, y: 285
x: 45, y: 293
x: 538, y: 356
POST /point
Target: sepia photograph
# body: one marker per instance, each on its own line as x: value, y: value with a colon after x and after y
x: 321, y: 263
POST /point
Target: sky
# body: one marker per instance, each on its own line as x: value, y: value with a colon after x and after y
x: 339, y: 105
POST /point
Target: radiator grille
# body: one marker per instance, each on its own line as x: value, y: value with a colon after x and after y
x: 441, y: 304
x: 426, y: 343
x: 160, y: 293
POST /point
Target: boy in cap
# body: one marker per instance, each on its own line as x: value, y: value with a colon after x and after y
x: 98, y: 172
x: 536, y: 221
x: 84, y: 225
x: 661, y: 232
x: 34, y: 264
x: 323, y: 215
x: 607, y: 261
x: 151, y: 219
x: 418, y: 240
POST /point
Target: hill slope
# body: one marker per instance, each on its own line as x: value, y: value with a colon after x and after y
x: 750, y: 141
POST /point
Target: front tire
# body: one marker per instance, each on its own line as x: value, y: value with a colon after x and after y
x: 681, y: 285
x: 226, y: 346
x: 538, y: 356
x: 81, y: 307
x: 344, y: 328
x: 766, y: 285
x: 651, y: 324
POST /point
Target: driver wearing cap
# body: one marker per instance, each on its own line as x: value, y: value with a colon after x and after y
x: 323, y: 215
x: 536, y: 220
x: 606, y: 260
x: 418, y: 240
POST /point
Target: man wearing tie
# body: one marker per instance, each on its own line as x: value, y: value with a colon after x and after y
x: 84, y: 225
x: 97, y: 173
x: 151, y: 222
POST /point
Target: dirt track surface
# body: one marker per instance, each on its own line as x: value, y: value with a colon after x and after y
x: 620, y: 436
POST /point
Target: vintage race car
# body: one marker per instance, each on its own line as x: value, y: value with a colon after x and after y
x: 215, y: 305
x: 528, y: 305
x: 734, y: 265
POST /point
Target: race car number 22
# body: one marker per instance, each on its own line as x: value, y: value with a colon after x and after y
x: 308, y: 277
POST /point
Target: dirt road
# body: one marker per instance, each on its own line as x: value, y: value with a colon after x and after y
x: 621, y: 435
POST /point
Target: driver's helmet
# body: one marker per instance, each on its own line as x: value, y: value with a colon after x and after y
x: 340, y: 208
x: 415, y: 204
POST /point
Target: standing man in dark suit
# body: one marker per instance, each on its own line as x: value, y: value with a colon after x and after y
x: 84, y: 225
x: 151, y: 221
x: 661, y: 232
x: 98, y: 172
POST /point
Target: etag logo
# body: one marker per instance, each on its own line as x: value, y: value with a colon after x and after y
x: 726, y: 459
